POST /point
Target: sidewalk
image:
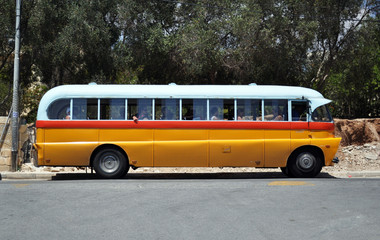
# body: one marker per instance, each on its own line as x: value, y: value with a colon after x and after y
x: 83, y: 175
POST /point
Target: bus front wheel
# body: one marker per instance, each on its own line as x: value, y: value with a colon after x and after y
x: 305, y: 164
x: 110, y: 163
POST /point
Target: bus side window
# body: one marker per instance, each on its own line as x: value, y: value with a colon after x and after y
x: 187, y: 109
x: 140, y: 108
x: 112, y: 109
x: 167, y: 109
x: 194, y: 109
x: 216, y: 109
x: 228, y: 109
x: 59, y: 109
x: 85, y: 109
x: 276, y: 110
x: 249, y: 109
x: 221, y: 109
x: 299, y: 111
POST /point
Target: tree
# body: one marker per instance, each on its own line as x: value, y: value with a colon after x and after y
x: 316, y: 44
x: 354, y: 83
x: 77, y: 47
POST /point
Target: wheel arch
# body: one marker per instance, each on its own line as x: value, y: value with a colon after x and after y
x: 104, y: 146
x: 318, y: 151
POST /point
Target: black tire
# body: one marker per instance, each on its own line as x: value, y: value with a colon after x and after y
x: 305, y: 164
x: 285, y: 171
x: 110, y: 163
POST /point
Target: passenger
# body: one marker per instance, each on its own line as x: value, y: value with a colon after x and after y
x: 299, y: 113
x: 163, y: 114
x: 278, y: 115
x: 240, y: 115
x: 214, y: 113
x: 188, y: 115
x: 67, y: 114
x: 142, y: 116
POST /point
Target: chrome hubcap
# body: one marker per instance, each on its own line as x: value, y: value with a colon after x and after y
x: 306, y: 161
x: 109, y: 163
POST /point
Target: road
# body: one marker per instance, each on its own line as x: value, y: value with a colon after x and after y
x: 195, y: 206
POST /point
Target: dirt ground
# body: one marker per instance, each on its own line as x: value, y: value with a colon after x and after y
x: 360, y: 146
x: 359, y: 151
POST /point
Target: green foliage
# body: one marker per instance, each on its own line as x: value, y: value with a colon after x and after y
x: 288, y: 42
x: 354, y: 84
x: 31, y: 99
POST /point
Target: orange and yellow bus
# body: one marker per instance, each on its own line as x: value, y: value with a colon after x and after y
x: 114, y: 127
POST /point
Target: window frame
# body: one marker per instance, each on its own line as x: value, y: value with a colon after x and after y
x: 206, y: 102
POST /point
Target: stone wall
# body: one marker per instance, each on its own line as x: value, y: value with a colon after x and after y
x: 26, y: 133
x: 5, y: 146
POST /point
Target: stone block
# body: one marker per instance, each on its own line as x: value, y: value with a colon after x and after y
x: 6, y: 153
x: 5, y: 168
x: 24, y: 134
x: 3, y: 119
x: 5, y: 161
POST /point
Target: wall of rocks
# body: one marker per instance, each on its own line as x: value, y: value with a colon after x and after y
x: 26, y: 138
x: 357, y: 131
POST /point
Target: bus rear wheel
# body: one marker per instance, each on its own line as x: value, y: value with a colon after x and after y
x: 110, y: 163
x: 305, y: 164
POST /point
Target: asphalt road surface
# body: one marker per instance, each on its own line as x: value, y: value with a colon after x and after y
x: 195, y: 206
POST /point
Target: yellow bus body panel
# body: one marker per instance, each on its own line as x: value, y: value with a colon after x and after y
x: 236, y: 148
x: 71, y: 147
x: 137, y: 143
x: 277, y: 147
x: 329, y: 146
x: 40, y: 143
x: 180, y: 148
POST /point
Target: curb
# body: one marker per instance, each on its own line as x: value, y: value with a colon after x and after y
x: 53, y: 175
x: 364, y: 174
x: 26, y: 176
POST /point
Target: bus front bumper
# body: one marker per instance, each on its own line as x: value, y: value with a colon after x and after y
x: 335, y: 160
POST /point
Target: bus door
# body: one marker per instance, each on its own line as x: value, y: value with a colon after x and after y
x: 183, y: 146
x: 299, y: 134
x: 277, y: 132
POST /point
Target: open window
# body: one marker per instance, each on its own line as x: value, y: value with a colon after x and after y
x: 112, y: 109
x: 221, y: 109
x: 167, y: 109
x: 194, y: 109
x: 248, y: 109
x: 140, y: 108
x: 85, y: 109
x: 300, y: 111
x: 276, y: 110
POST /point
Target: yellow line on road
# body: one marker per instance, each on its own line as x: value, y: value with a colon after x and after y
x: 290, y: 183
x: 20, y: 185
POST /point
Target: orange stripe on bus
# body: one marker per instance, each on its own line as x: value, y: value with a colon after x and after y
x: 183, y: 124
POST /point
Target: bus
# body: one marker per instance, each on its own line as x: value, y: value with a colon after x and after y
x: 112, y: 128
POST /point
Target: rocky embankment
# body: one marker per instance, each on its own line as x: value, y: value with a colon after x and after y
x: 360, y: 146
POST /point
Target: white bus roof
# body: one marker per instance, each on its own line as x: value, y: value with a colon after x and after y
x: 251, y: 91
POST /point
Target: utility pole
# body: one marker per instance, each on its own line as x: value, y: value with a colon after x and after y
x: 16, y: 76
